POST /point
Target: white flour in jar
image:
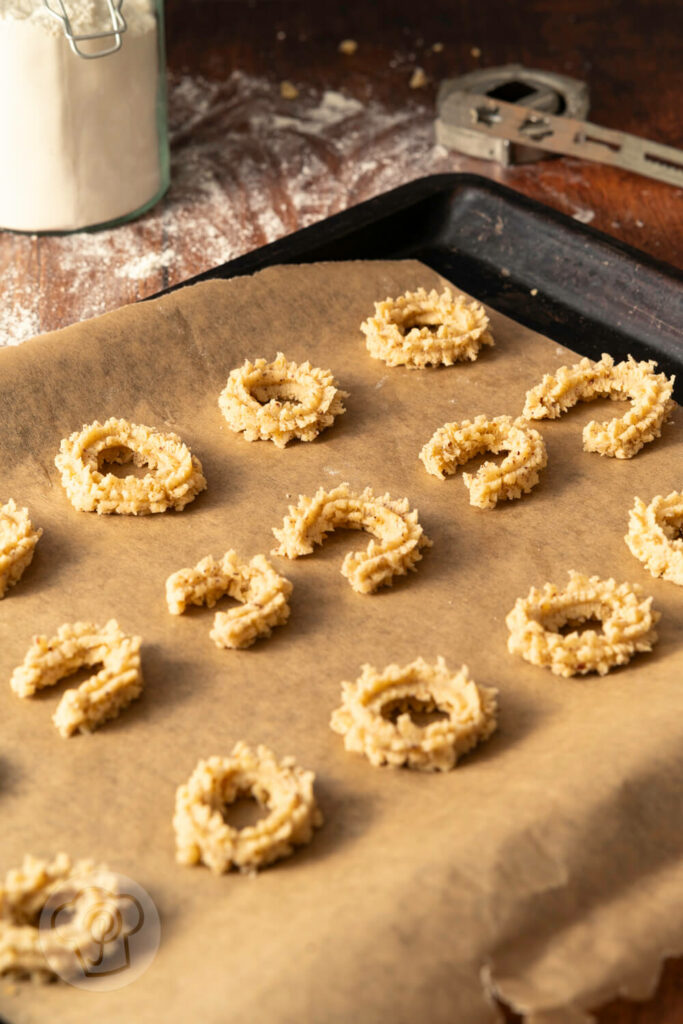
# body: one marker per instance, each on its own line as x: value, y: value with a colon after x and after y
x: 79, y: 139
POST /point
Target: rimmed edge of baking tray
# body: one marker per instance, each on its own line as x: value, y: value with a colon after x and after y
x: 544, y: 269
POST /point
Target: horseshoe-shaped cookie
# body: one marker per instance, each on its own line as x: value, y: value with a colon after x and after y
x: 457, y: 443
x: 263, y: 593
x: 76, y: 645
x: 654, y: 535
x: 622, y: 438
x: 17, y: 543
x: 399, y: 534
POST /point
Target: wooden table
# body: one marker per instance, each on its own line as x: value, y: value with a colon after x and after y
x: 250, y: 165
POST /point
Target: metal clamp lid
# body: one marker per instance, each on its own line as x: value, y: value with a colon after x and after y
x: 118, y: 27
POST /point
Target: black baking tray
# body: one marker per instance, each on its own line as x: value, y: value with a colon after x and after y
x: 577, y: 285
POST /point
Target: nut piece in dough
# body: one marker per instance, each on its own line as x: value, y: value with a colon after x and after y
x: 279, y: 401
x: 421, y: 328
x: 457, y: 443
x: 202, y: 834
x: 101, y: 696
x: 17, y: 543
x: 263, y: 593
x: 174, y: 480
x: 622, y: 438
x: 397, y: 528
x: 627, y: 618
x: 655, y: 535
x: 26, y: 951
x: 366, y: 716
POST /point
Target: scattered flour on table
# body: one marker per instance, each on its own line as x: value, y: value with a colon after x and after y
x: 247, y: 167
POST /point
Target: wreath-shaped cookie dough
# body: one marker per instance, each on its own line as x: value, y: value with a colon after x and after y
x: 98, y: 698
x: 202, y: 835
x: 655, y: 535
x: 26, y: 951
x: 421, y: 328
x: 17, y: 544
x: 365, y: 720
x: 281, y: 400
x: 174, y: 480
x: 627, y: 619
x: 397, y: 528
x: 622, y: 438
x: 263, y: 593
x: 457, y: 443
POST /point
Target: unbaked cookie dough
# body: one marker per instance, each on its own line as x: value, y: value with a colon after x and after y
x: 457, y: 443
x: 101, y: 696
x: 627, y: 619
x: 400, y: 536
x: 655, y: 535
x: 365, y: 720
x: 174, y: 480
x: 26, y: 951
x: 202, y: 835
x: 622, y: 438
x: 18, y: 539
x: 420, y: 329
x: 263, y: 593
x: 280, y: 401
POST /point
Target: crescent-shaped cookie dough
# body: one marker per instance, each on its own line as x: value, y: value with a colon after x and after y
x: 101, y: 696
x: 622, y: 438
x: 202, y: 834
x: 399, y: 534
x: 28, y: 950
x: 369, y: 705
x: 627, y: 619
x: 280, y: 401
x: 420, y: 329
x: 456, y: 443
x: 263, y: 594
x: 654, y: 535
x: 18, y: 539
x: 174, y: 479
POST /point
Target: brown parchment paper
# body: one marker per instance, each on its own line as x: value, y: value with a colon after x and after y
x: 546, y: 866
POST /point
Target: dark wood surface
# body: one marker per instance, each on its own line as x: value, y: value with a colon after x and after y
x: 233, y: 183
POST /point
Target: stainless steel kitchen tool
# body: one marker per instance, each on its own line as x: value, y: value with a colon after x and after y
x: 542, y: 90
x: 505, y: 111
x: 115, y: 32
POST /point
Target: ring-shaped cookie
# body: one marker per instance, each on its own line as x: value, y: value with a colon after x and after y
x: 627, y: 619
x: 623, y: 437
x: 420, y: 329
x: 365, y: 720
x: 456, y: 443
x: 280, y: 401
x: 98, y: 698
x: 263, y: 594
x: 17, y: 544
x: 202, y: 834
x: 174, y: 480
x: 26, y: 949
x: 655, y: 535
x: 400, y: 536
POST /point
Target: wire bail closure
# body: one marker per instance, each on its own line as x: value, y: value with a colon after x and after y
x: 118, y: 27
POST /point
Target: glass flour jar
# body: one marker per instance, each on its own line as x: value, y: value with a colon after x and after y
x: 83, y: 132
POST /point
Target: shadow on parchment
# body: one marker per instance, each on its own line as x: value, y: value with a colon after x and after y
x: 617, y: 844
x: 9, y: 776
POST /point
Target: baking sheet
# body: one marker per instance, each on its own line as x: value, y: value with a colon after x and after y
x: 547, y: 864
